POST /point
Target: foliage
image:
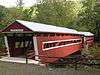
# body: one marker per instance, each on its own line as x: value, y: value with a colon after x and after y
x: 21, y: 13
x: 97, y: 30
x: 3, y: 15
x: 1, y: 41
x: 97, y: 10
x: 27, y: 14
x: 95, y: 48
x: 86, y: 18
x: 53, y: 12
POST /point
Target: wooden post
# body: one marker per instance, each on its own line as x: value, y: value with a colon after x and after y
x: 26, y: 57
x: 7, y: 47
x: 36, y: 48
x: 26, y: 60
x: 76, y: 63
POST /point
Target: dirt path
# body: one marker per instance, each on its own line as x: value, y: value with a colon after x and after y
x: 24, y: 69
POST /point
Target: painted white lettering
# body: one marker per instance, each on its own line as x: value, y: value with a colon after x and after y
x: 16, y: 30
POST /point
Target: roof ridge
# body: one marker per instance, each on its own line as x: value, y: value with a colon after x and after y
x: 45, y: 27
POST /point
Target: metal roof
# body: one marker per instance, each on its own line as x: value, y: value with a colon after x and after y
x: 38, y: 27
x: 86, y: 33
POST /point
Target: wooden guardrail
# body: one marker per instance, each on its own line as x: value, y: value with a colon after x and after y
x: 3, y: 51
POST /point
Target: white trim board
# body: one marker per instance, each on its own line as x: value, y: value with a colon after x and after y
x: 35, y: 48
x: 6, y: 43
x: 60, y: 40
x: 61, y: 46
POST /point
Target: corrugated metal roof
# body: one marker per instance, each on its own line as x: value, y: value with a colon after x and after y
x: 38, y: 27
x: 86, y: 33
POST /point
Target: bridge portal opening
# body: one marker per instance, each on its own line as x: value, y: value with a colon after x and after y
x: 21, y: 45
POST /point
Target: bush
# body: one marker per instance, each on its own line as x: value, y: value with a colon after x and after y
x: 2, y: 45
x: 95, y: 48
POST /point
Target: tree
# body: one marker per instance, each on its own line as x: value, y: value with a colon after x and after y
x: 28, y: 14
x: 86, y: 18
x: 97, y: 12
x: 61, y: 13
x: 3, y: 15
x: 20, y: 14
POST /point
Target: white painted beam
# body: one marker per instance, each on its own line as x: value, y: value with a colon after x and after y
x: 36, y: 48
x: 7, y: 47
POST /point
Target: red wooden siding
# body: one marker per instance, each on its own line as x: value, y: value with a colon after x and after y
x: 16, y: 25
x: 56, y: 52
x: 67, y: 41
x: 89, y: 40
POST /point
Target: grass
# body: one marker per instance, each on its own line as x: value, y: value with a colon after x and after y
x: 95, y: 51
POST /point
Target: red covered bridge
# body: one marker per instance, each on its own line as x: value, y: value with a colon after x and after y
x: 41, y: 41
